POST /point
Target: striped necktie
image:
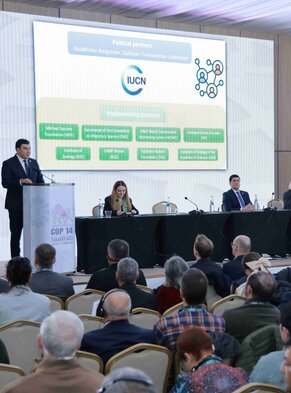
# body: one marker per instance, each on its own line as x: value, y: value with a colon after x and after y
x: 26, y: 167
x: 240, y: 199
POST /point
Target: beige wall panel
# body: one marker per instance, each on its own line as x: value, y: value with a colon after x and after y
x: 259, y: 35
x: 162, y: 24
x: 84, y: 15
x: 284, y: 160
x: 123, y: 20
x: 10, y: 6
x: 284, y: 93
x: 211, y: 29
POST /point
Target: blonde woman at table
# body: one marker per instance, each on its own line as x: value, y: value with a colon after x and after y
x: 119, y: 202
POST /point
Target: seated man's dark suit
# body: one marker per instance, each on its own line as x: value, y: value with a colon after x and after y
x: 115, y: 337
x: 234, y: 268
x: 104, y: 279
x: 4, y: 286
x: 253, y: 315
x: 49, y: 282
x: 215, y: 276
x: 287, y: 199
x: 12, y: 172
x: 230, y: 201
x: 140, y: 298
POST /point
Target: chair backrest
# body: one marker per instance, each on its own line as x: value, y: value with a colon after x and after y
x: 259, y: 343
x: 153, y: 359
x: 91, y: 322
x: 90, y: 360
x: 144, y: 288
x: 9, y: 373
x: 82, y: 302
x: 144, y: 317
x: 56, y: 303
x: 277, y: 204
x: 211, y: 296
x: 256, y: 387
x: 227, y: 303
x: 161, y: 208
x: 20, y: 341
x: 173, y: 310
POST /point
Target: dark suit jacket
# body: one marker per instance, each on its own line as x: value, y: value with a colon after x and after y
x: 287, y: 199
x: 104, y: 279
x: 230, y: 201
x: 107, y: 205
x: 12, y: 172
x: 214, y: 275
x: 48, y: 282
x: 140, y: 298
x: 234, y: 268
x: 115, y: 337
x: 253, y: 315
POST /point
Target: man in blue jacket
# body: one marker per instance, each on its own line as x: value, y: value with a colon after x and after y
x: 16, y: 172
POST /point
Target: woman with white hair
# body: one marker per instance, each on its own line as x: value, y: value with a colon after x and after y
x: 168, y: 294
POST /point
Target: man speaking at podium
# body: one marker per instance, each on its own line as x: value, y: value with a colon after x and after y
x: 16, y: 171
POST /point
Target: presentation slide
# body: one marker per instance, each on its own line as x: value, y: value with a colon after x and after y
x: 115, y: 100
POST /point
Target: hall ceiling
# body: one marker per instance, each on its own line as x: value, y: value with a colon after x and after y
x: 254, y: 15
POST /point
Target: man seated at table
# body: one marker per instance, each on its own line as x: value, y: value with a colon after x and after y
x: 240, y: 246
x: 104, y: 279
x: 117, y: 334
x: 203, y: 248
x: 235, y: 199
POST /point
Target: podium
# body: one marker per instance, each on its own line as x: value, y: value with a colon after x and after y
x: 49, y: 217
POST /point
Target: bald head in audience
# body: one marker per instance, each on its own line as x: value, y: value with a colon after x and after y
x: 117, y: 305
x: 241, y: 245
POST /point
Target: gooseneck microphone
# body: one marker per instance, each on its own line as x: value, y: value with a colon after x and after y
x: 193, y: 203
x: 40, y: 173
x: 197, y: 211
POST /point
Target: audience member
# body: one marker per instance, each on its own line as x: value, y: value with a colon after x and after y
x: 235, y: 199
x: 45, y: 280
x: 59, y: 339
x: 20, y: 302
x: 127, y: 380
x: 267, y: 370
x: 126, y: 276
x: 286, y: 366
x: 241, y: 245
x: 203, y: 248
x: 168, y: 294
x: 206, y: 372
x: 104, y: 279
x: 193, y: 290
x: 252, y: 262
x: 118, y: 334
x: 257, y: 311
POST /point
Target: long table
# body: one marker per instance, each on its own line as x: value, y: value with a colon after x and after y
x: 154, y: 238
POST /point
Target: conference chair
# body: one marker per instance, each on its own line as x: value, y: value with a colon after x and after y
x: 258, y: 343
x: 153, y: 359
x: 276, y: 204
x: 256, y: 387
x: 227, y: 303
x: 20, y: 341
x: 211, y: 296
x: 144, y: 317
x: 144, y: 288
x: 56, y: 303
x: 161, y: 208
x: 90, y: 360
x: 173, y: 310
x: 91, y: 322
x: 9, y: 373
x: 82, y: 302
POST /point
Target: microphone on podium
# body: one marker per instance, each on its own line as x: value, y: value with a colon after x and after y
x: 197, y: 211
x: 40, y: 173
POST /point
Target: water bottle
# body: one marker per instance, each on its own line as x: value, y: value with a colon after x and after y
x: 211, y: 204
x: 168, y: 207
x: 100, y: 208
x: 256, y: 204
